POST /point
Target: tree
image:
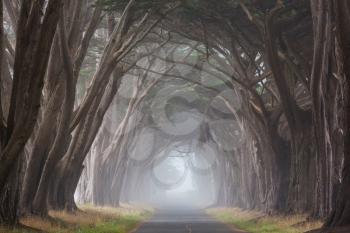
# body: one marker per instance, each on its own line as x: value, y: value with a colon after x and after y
x: 341, y: 213
x: 31, y: 59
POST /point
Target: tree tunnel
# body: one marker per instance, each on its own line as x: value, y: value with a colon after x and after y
x: 239, y: 103
x: 175, y: 143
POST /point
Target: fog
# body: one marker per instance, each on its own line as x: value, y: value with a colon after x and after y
x: 184, y: 187
x: 165, y: 141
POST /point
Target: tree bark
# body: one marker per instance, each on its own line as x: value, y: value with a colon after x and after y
x: 34, y: 40
x: 341, y: 213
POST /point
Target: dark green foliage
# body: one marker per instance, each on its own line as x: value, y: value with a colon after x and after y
x: 116, y: 5
x: 189, y: 8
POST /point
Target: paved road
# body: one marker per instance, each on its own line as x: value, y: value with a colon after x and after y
x: 183, y: 221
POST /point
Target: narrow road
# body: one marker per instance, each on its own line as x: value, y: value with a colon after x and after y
x: 184, y: 221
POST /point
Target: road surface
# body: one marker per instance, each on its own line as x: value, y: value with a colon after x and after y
x: 183, y: 221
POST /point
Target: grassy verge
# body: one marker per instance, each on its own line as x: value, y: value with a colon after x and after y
x: 88, y: 219
x: 257, y: 222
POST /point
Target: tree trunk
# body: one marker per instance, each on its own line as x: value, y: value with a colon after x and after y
x: 9, y: 195
x: 341, y: 214
x: 40, y: 150
x: 34, y: 39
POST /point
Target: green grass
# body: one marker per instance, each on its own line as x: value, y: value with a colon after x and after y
x: 89, y: 220
x: 256, y: 222
x: 251, y: 225
x: 120, y: 225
